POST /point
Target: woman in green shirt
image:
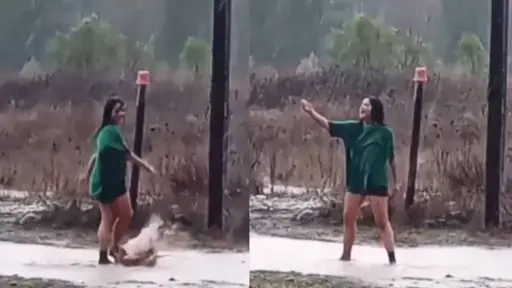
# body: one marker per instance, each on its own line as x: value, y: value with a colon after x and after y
x: 369, y: 148
x: 106, y: 173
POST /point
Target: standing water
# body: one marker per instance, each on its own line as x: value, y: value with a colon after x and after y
x: 174, y: 268
x: 428, y: 266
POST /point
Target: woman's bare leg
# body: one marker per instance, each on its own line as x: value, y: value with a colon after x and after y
x: 351, y: 210
x: 379, y: 206
x: 123, y: 212
x: 105, y: 231
x: 114, y: 251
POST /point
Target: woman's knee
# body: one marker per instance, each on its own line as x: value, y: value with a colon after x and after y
x: 124, y: 210
x: 350, y: 214
x: 379, y: 207
x: 350, y: 217
x: 107, y: 215
x: 351, y: 208
x: 128, y: 214
x: 125, y: 214
x: 382, y: 223
x: 107, y: 221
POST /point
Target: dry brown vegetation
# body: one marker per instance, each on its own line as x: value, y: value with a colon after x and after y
x: 295, y: 151
x: 46, y: 130
x: 46, y: 127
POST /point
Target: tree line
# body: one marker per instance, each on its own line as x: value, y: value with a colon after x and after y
x: 279, y: 32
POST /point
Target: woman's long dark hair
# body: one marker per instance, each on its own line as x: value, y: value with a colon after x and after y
x: 377, y: 111
x: 110, y: 104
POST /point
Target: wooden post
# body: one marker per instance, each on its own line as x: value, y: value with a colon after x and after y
x: 142, y: 84
x: 420, y: 78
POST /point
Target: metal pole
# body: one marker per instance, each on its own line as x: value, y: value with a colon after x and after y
x: 142, y: 84
x: 420, y: 78
x: 219, y: 92
x: 497, y: 111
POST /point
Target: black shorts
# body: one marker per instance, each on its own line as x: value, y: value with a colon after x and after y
x: 379, y: 191
x: 110, y: 195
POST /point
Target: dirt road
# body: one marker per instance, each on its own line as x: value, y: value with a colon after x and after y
x: 191, y: 268
x: 45, y: 257
x: 316, y: 262
x: 426, y: 266
x: 21, y: 282
x: 272, y: 279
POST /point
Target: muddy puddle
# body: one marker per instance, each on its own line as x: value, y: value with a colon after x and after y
x: 272, y: 279
x: 43, y: 257
x: 427, y: 266
x: 289, y: 253
x: 175, y: 267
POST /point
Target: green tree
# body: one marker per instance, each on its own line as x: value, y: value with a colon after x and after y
x: 367, y: 43
x: 412, y: 51
x: 196, y: 55
x: 364, y: 43
x: 92, y: 47
x: 472, y: 53
x: 135, y: 55
x: 464, y: 16
x: 183, y: 19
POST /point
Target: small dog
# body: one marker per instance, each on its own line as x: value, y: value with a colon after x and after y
x: 141, y: 250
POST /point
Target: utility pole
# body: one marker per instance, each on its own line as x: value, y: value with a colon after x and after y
x: 219, y: 93
x: 142, y: 85
x: 496, y: 112
x: 420, y: 79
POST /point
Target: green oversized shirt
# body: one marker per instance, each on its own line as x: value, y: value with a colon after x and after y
x: 368, y: 150
x: 108, y: 177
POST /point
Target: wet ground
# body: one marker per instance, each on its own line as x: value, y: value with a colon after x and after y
x: 427, y: 266
x: 21, y: 282
x: 44, y: 257
x: 175, y: 268
x: 12, y: 208
x: 427, y: 257
x: 272, y: 279
x: 276, y: 214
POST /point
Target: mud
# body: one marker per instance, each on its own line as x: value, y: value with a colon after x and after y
x: 426, y: 266
x: 441, y: 258
x: 175, y: 268
x: 13, y: 208
x: 21, y: 282
x: 276, y: 215
x: 38, y: 255
x: 269, y: 279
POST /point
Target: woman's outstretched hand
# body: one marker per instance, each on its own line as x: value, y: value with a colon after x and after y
x: 148, y: 167
x: 306, y: 106
x: 151, y: 170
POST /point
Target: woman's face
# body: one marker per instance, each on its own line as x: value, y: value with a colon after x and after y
x: 118, y: 113
x: 365, y: 110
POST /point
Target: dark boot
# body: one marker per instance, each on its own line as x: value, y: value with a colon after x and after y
x: 103, y: 259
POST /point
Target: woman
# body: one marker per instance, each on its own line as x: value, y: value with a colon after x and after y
x: 107, y: 185
x: 369, y: 147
